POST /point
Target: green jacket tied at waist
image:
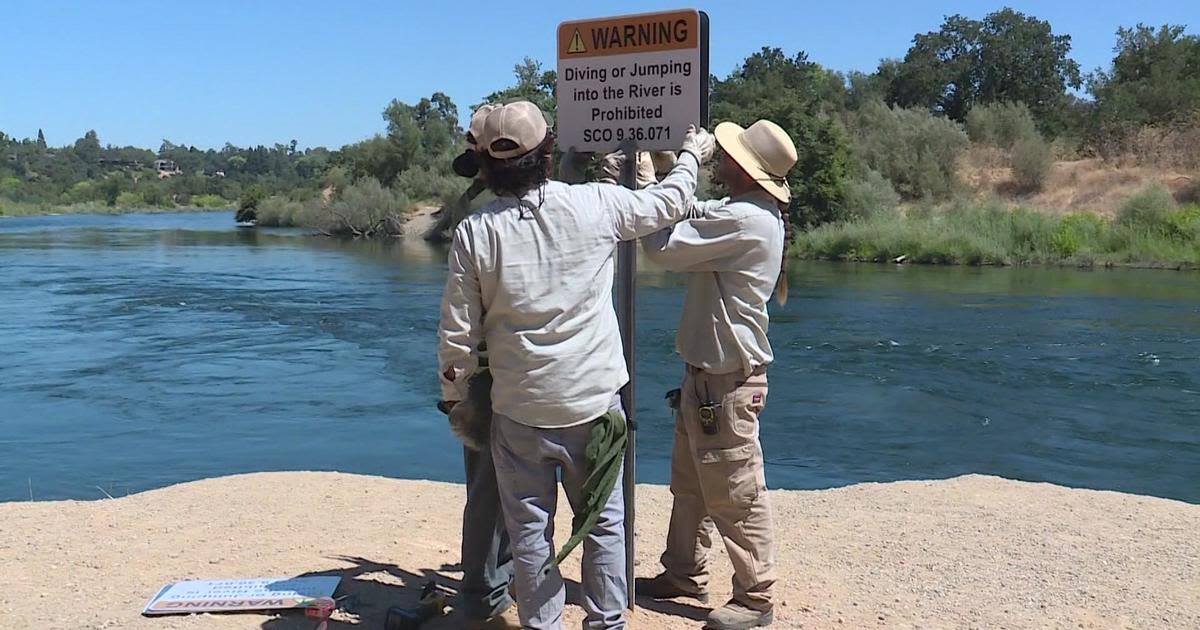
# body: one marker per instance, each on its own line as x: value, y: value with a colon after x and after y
x: 605, y: 454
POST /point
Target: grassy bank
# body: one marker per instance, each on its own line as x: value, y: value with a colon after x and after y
x: 1150, y: 230
x: 202, y: 203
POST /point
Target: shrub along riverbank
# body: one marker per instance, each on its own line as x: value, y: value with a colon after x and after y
x: 1149, y: 230
x: 198, y: 203
x: 364, y: 209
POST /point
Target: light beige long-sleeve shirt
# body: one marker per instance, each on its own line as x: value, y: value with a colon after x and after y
x: 534, y: 277
x: 731, y: 250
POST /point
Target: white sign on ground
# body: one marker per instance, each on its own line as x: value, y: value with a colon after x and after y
x: 200, y: 596
x: 639, y: 77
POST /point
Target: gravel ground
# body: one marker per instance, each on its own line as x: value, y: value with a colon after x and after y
x: 972, y: 552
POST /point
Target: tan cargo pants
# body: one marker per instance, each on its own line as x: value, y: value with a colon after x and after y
x: 719, y: 480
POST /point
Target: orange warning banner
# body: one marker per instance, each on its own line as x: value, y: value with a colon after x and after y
x: 648, y: 32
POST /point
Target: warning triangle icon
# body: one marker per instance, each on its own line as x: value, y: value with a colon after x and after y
x: 576, y: 45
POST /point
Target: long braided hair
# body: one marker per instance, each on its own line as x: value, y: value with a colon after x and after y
x: 781, y: 283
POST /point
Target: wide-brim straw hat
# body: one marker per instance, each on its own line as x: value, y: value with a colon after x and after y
x: 764, y: 150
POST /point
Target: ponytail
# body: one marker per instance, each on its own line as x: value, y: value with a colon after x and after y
x: 781, y: 283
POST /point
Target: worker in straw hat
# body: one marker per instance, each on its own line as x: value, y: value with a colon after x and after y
x: 732, y: 251
x: 531, y: 274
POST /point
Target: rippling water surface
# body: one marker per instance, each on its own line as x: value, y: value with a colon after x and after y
x: 142, y: 350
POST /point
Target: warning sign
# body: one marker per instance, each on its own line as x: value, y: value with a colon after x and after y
x: 576, y: 46
x: 198, y: 596
x: 639, y: 77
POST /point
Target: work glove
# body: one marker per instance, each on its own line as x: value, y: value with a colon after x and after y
x: 663, y: 161
x: 700, y: 143
x: 610, y: 167
x: 471, y: 418
x: 572, y: 168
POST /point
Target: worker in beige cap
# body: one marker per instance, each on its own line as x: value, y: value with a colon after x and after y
x: 531, y: 273
x: 732, y: 251
x: 483, y: 595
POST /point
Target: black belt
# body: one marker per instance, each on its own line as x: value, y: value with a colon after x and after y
x: 758, y: 370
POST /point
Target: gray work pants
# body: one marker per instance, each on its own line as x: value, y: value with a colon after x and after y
x: 486, y: 554
x: 528, y: 463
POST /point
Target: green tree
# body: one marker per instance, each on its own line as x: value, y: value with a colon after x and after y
x: 1154, y: 78
x: 373, y: 157
x: 311, y: 165
x: 1032, y: 160
x: 423, y: 134
x: 863, y: 88
x: 41, y: 140
x: 789, y: 92
x: 1008, y: 56
x: 81, y: 192
x: 533, y: 84
x: 61, y: 175
x: 111, y: 189
x: 914, y: 149
x: 11, y: 188
x: 88, y: 150
x: 1000, y: 124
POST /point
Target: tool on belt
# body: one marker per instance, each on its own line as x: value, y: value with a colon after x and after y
x: 709, y: 418
x: 430, y: 605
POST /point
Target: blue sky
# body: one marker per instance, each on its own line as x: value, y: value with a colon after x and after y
x: 258, y: 72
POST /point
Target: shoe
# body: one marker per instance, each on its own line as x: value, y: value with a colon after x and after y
x: 504, y: 621
x: 734, y: 616
x: 661, y: 587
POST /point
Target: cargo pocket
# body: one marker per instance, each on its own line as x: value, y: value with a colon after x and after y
x: 742, y: 406
x: 727, y: 476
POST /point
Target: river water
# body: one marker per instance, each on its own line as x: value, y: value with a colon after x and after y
x: 139, y: 351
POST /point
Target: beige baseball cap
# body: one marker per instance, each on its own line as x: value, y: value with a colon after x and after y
x: 512, y: 130
x: 476, y: 127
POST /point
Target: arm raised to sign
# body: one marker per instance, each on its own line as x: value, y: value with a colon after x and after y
x: 639, y: 213
x: 703, y: 243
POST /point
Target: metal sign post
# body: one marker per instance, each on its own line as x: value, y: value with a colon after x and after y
x: 627, y: 318
x: 632, y: 82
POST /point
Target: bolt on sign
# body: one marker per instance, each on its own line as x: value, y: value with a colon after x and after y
x: 637, y: 77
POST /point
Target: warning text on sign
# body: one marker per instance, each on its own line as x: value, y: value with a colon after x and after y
x: 633, y: 78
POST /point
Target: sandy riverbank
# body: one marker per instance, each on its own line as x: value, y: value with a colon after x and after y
x: 972, y: 552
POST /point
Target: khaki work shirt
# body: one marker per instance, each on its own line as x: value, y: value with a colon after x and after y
x: 534, y: 278
x: 731, y: 250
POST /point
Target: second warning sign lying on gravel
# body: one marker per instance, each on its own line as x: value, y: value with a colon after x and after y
x: 638, y: 77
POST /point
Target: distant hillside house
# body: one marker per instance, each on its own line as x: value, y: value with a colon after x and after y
x: 166, y: 168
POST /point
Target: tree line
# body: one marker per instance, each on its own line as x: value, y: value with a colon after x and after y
x: 1005, y: 81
